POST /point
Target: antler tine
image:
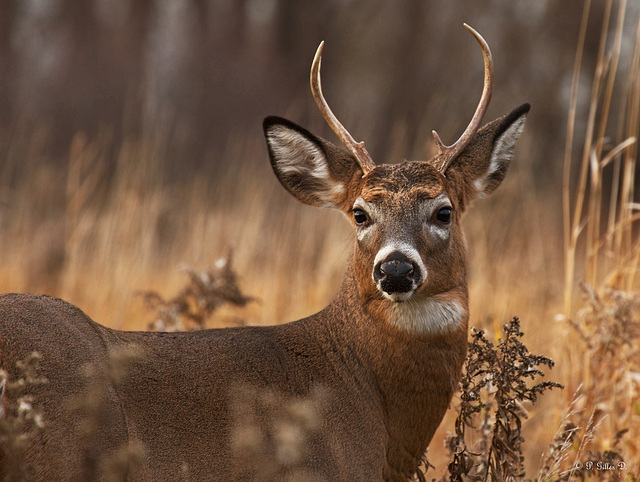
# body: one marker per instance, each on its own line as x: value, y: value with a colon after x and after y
x: 356, y: 148
x: 446, y: 154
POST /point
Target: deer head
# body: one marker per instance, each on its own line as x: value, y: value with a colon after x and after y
x: 409, y: 248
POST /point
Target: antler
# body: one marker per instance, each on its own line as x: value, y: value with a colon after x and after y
x: 446, y: 154
x: 356, y: 148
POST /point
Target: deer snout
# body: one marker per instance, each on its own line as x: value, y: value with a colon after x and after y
x: 397, y: 275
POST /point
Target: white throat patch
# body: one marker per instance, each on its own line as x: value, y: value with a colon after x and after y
x: 430, y: 317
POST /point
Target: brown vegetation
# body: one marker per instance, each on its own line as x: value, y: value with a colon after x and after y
x: 204, y: 293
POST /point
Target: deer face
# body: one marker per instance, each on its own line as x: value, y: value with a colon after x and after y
x: 403, y: 219
x: 409, y: 241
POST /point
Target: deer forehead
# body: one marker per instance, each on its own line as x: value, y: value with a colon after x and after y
x: 408, y: 182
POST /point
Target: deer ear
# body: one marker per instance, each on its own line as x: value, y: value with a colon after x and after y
x: 481, y: 167
x: 313, y: 170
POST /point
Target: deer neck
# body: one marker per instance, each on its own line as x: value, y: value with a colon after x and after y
x: 414, y: 354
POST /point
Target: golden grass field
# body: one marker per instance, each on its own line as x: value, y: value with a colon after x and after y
x: 65, y: 234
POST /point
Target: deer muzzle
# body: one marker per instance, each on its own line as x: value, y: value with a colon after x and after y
x: 397, y: 276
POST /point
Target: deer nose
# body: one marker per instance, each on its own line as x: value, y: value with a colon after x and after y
x: 395, y: 274
x: 396, y: 269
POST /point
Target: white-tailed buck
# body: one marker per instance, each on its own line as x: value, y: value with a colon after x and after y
x: 384, y: 356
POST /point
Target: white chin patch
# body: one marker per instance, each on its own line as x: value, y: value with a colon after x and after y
x: 397, y: 297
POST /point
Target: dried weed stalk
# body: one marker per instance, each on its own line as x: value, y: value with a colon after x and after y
x: 564, y: 441
x: 204, y: 293
x: 609, y: 402
x: 496, y: 383
x: 20, y: 420
x: 95, y: 417
x: 276, y: 447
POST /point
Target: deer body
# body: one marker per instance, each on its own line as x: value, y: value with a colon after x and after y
x: 173, y: 403
x: 386, y: 353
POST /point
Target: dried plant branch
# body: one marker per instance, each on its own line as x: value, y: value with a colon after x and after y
x: 277, y: 448
x: 95, y: 416
x: 204, y: 293
x: 609, y: 326
x: 21, y: 420
x: 496, y: 383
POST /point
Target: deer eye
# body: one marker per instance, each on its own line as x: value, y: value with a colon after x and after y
x: 359, y: 216
x: 444, y: 215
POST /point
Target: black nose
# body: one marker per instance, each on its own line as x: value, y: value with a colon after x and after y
x: 395, y: 274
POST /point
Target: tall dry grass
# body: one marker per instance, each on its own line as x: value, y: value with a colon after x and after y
x: 601, y: 236
x: 69, y: 233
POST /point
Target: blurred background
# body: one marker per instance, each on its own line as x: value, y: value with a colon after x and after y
x: 208, y: 71
x: 131, y: 143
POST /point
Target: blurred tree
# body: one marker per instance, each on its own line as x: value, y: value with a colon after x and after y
x: 204, y: 72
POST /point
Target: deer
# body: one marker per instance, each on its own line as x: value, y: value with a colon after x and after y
x: 386, y: 353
